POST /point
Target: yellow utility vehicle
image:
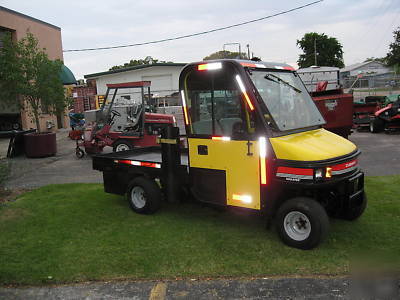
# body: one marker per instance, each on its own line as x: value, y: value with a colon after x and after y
x: 254, y: 141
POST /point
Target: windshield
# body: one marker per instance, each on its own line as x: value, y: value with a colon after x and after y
x: 288, y: 102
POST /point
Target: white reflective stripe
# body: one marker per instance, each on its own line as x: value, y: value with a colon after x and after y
x: 183, y: 98
x: 158, y: 166
x: 260, y: 66
x: 263, y: 146
x: 240, y: 83
x: 343, y: 171
x: 135, y: 163
x: 279, y: 67
x: 294, y: 176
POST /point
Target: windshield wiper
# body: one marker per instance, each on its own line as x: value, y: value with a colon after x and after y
x: 268, y: 76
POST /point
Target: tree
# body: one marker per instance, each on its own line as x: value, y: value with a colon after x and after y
x: 225, y: 54
x: 393, y: 56
x: 328, y: 51
x: 137, y: 62
x: 378, y: 59
x: 29, y: 78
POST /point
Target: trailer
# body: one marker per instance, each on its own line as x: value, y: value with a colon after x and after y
x: 255, y: 142
x: 323, y: 84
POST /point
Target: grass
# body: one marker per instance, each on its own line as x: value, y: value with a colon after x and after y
x: 76, y: 232
x: 4, y: 171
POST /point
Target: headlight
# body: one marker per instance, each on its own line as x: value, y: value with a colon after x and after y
x: 319, y: 174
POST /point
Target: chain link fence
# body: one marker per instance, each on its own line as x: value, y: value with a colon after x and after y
x: 372, y: 82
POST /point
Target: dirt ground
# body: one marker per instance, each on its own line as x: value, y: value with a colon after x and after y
x: 380, y: 156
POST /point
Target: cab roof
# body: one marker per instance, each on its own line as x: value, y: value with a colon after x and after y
x: 249, y: 64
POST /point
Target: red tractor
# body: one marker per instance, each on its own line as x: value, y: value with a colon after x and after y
x: 387, y: 118
x: 139, y: 128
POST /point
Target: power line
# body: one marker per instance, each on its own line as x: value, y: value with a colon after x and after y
x: 197, y: 34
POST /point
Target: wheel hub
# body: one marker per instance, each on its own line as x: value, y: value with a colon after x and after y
x: 297, y: 226
x: 122, y: 147
x: 138, y: 197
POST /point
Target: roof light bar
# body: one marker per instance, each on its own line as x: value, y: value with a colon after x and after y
x: 243, y: 89
x: 210, y: 66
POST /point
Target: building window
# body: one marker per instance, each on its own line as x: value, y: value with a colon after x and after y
x: 3, y: 33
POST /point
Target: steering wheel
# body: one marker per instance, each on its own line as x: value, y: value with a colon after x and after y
x: 115, y: 113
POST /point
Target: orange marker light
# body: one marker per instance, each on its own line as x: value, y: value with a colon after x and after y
x: 328, y: 173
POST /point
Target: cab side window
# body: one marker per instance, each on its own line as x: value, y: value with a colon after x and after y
x: 215, y: 103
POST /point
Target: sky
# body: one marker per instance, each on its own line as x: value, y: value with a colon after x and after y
x: 363, y: 27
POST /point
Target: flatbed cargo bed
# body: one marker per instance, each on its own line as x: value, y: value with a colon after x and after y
x: 120, y: 168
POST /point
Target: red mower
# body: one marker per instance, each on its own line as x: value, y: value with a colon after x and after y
x: 122, y: 126
x: 387, y: 119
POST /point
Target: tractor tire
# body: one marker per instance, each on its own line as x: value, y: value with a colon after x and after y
x: 122, y: 145
x: 144, y: 195
x: 376, y: 125
x: 79, y: 153
x: 302, y: 223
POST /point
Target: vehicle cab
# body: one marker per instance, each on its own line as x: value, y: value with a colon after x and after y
x: 255, y: 140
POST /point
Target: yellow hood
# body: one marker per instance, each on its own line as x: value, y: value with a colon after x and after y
x: 311, y: 145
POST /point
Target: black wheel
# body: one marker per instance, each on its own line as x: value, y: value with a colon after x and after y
x: 79, y: 153
x: 122, y: 145
x: 302, y: 223
x: 355, y: 212
x: 376, y: 125
x: 144, y: 195
x: 16, y: 126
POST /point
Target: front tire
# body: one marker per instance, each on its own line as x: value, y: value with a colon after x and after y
x: 144, y: 195
x: 122, y: 145
x: 302, y: 223
x: 79, y: 153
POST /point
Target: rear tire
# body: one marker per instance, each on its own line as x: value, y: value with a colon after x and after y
x: 376, y: 125
x: 122, y: 145
x: 144, y: 195
x: 302, y: 223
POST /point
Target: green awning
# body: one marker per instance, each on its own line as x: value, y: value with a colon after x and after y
x: 67, y: 77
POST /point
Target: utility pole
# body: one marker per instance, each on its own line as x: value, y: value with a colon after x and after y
x: 315, y: 51
x: 248, y: 51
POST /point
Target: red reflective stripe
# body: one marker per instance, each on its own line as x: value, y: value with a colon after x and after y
x: 295, y: 171
x: 124, y: 162
x: 344, y: 166
x: 129, y: 84
x: 147, y: 164
x: 248, y: 65
x: 288, y: 68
